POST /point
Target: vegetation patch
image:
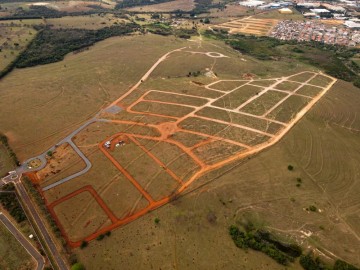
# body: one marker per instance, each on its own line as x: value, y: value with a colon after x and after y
x: 51, y: 45
x: 10, y: 202
x: 263, y: 241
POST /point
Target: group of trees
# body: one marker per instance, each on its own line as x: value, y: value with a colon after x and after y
x: 166, y: 30
x: 133, y: 3
x: 283, y: 253
x: 264, y: 242
x: 4, y: 141
x: 310, y: 262
x: 51, y: 45
x: 41, y: 204
x: 11, y: 203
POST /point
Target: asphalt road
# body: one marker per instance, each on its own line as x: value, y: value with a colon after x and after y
x: 40, y: 225
x: 24, y: 242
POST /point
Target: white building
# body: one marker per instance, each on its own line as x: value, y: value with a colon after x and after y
x: 253, y: 3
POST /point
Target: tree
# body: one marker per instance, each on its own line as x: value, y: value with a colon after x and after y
x: 84, y: 244
x: 78, y: 266
x: 157, y: 220
x: 290, y: 167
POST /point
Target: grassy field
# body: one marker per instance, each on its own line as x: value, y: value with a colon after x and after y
x: 13, y: 255
x: 6, y: 162
x: 13, y: 40
x: 62, y: 163
x: 71, y: 91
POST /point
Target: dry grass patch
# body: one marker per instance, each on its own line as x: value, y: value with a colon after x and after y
x: 263, y: 83
x: 13, y: 40
x: 223, y: 131
x: 161, y: 109
x: 289, y: 108
x: 264, y: 102
x: 287, y: 86
x: 310, y: 91
x: 217, y: 151
x: 234, y: 99
x: 79, y: 222
x: 303, y: 77
x: 227, y: 85
x: 63, y: 162
x: 122, y: 197
x: 240, y: 119
x: 187, y: 139
x: 174, y: 98
x: 321, y: 81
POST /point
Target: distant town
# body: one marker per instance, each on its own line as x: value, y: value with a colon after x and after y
x: 323, y: 22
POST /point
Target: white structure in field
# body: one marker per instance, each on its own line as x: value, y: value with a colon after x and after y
x: 252, y: 3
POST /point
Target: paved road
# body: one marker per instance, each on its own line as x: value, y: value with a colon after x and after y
x: 40, y: 225
x: 24, y: 242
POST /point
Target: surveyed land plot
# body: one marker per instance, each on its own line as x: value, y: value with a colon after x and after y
x: 249, y: 26
x: 150, y: 145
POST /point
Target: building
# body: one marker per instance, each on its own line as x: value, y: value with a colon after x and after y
x: 321, y: 11
x: 352, y: 24
x: 285, y: 11
x: 252, y: 3
x: 308, y: 5
x: 334, y: 8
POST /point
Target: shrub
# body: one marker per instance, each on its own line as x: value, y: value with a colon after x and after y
x: 341, y: 265
x: 100, y: 237
x: 84, y: 244
x: 157, y: 220
x: 312, y: 208
x: 290, y: 167
x: 78, y: 266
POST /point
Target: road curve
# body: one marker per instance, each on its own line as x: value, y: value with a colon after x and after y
x: 24, y: 242
x: 85, y: 170
x: 40, y: 225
